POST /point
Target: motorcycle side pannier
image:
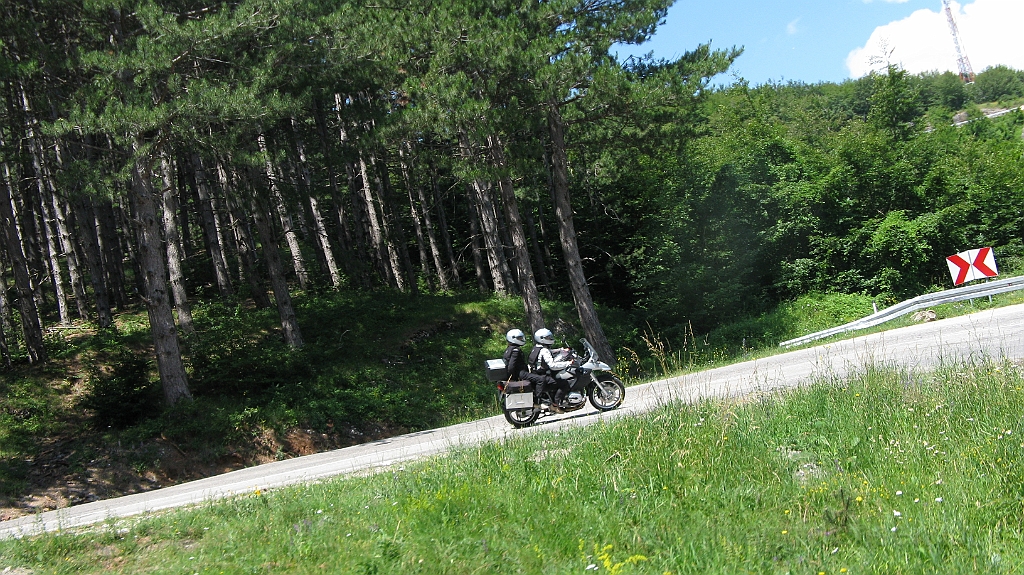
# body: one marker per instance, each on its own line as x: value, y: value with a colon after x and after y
x: 518, y: 395
x: 495, y: 369
x: 518, y: 387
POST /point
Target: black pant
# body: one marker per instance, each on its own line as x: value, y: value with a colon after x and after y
x: 540, y: 382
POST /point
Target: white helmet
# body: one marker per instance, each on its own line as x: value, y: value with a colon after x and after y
x: 516, y: 337
x: 544, y: 335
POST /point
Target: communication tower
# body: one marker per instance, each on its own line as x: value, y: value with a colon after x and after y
x: 966, y: 72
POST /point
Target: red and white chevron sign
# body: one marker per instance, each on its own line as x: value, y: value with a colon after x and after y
x: 972, y: 265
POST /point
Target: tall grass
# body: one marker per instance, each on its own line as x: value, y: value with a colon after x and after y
x: 888, y: 472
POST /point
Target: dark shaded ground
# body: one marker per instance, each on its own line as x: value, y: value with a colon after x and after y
x: 71, y: 471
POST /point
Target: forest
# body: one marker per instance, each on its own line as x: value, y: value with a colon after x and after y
x: 275, y: 156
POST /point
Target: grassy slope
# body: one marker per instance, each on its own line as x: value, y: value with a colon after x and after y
x: 890, y: 472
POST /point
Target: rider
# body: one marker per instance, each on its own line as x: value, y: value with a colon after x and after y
x: 515, y: 363
x: 542, y: 362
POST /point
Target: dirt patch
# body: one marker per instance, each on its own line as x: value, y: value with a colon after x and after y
x: 76, y: 471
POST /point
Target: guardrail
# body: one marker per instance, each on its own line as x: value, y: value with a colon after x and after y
x: 916, y: 304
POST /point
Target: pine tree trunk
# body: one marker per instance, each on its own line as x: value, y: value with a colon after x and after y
x: 442, y: 224
x: 186, y: 204
x: 541, y: 265
x: 5, y: 352
x: 398, y: 248
x: 209, y: 224
x: 70, y: 249
x: 527, y: 284
x: 417, y: 223
x: 53, y: 255
x: 567, y: 234
x: 24, y: 301
x: 34, y: 236
x: 494, y: 250
x: 151, y: 254
x: 476, y: 242
x: 173, y: 241
x: 32, y: 243
x: 435, y: 250
x: 496, y: 261
x: 110, y: 248
x: 372, y: 225
x: 94, y: 259
x: 319, y: 223
x: 5, y: 312
x: 323, y: 240
x: 292, y: 239
x: 243, y: 237
x: 47, y: 191
x: 289, y: 322
x: 344, y: 233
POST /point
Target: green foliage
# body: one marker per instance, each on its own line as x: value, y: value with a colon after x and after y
x: 998, y: 83
x: 890, y: 471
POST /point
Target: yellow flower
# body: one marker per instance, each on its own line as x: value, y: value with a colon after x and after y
x: 859, y: 499
x: 784, y: 532
x: 843, y: 570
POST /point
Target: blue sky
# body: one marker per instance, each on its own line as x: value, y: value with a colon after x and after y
x: 832, y: 40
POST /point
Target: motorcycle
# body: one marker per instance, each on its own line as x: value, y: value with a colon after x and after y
x: 583, y: 378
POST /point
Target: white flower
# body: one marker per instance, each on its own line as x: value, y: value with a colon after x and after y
x: 893, y: 530
x: 899, y: 493
x: 592, y: 567
x: 896, y: 513
x: 938, y: 500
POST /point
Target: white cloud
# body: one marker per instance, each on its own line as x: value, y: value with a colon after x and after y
x: 791, y: 27
x: 989, y: 34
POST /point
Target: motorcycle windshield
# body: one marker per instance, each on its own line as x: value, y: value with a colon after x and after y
x: 590, y: 349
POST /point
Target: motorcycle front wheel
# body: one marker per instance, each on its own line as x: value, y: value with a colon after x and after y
x: 612, y: 395
x: 520, y: 417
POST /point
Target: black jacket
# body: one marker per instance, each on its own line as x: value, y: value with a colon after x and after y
x: 515, y: 362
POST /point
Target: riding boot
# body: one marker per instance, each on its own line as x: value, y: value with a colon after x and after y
x: 559, y: 395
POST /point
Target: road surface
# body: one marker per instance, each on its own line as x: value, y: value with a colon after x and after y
x: 993, y: 334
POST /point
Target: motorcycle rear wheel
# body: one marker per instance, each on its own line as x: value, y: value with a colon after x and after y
x: 607, y: 401
x: 520, y: 417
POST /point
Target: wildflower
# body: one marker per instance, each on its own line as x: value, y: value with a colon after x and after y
x: 859, y: 499
x: 785, y: 532
x: 786, y: 512
x: 843, y: 570
x: 938, y: 500
x: 899, y: 493
x: 893, y: 530
x: 896, y: 513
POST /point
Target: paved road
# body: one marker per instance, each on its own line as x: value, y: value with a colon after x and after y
x: 993, y: 334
